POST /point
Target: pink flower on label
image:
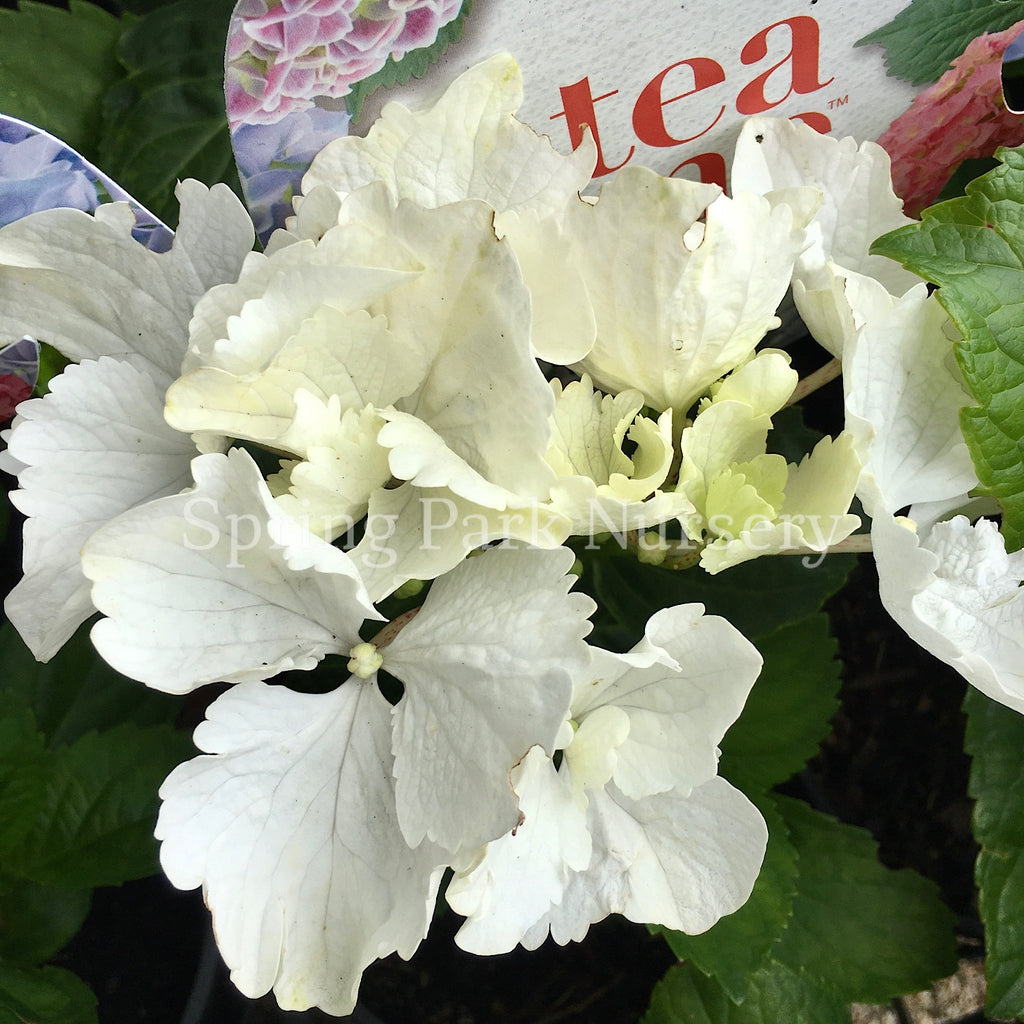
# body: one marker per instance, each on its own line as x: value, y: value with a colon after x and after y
x: 961, y: 117
x: 283, y: 54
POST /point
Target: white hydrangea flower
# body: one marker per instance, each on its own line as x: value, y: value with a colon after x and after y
x: 634, y: 820
x: 318, y: 825
x: 749, y: 502
x: 858, y: 205
x: 97, y: 443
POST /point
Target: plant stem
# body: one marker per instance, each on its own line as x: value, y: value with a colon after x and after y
x: 809, y: 384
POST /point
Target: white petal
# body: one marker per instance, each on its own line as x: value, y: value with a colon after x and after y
x: 420, y: 533
x: 83, y: 284
x: 679, y: 707
x: 670, y: 319
x: 289, y: 825
x: 523, y: 873
x: 466, y: 146
x: 487, y: 667
x: 903, y: 399
x: 96, y: 445
x: 219, y: 584
x: 858, y: 205
x: 957, y: 593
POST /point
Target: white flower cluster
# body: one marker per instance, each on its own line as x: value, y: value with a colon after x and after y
x: 380, y: 360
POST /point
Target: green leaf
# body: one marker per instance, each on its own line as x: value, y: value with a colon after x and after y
x: 738, y: 945
x: 167, y: 120
x: 44, y: 995
x: 37, y: 921
x: 51, y: 362
x: 95, y: 823
x: 927, y: 36
x: 788, y: 712
x: 23, y: 774
x: 76, y: 691
x: 864, y: 932
x: 774, y: 995
x: 973, y: 249
x: 757, y: 597
x: 1000, y: 881
x: 994, y: 739
x: 413, y: 65
x: 56, y: 66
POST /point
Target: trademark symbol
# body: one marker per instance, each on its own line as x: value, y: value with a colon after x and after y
x: 839, y: 101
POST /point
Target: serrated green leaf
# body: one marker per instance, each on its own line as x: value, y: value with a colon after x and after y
x: 56, y: 66
x: 738, y: 945
x: 413, y: 65
x: 44, y: 995
x: 774, y: 995
x: 76, y: 691
x: 858, y: 929
x: 788, y: 712
x: 166, y: 120
x: 1000, y: 881
x: 994, y: 739
x: 95, y: 823
x: 37, y: 921
x: 757, y: 597
x: 23, y: 774
x: 923, y: 39
x: 973, y: 249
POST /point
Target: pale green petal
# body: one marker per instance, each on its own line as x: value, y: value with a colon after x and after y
x: 765, y: 383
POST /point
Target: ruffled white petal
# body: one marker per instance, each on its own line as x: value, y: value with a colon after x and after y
x: 82, y: 283
x: 958, y: 594
x: 904, y: 393
x: 288, y: 822
x: 219, y: 584
x: 858, y: 205
x: 487, y: 666
x: 95, y: 446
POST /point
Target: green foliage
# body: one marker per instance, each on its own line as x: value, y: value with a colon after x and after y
x: 994, y: 739
x: 94, y: 825
x: 774, y: 994
x: 631, y: 591
x: 76, y: 691
x: 51, y: 362
x: 166, y: 119
x: 788, y: 712
x: 37, y: 921
x: 973, y: 249
x: 924, y: 38
x: 856, y: 932
x: 44, y: 995
x: 413, y: 65
x: 56, y: 66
